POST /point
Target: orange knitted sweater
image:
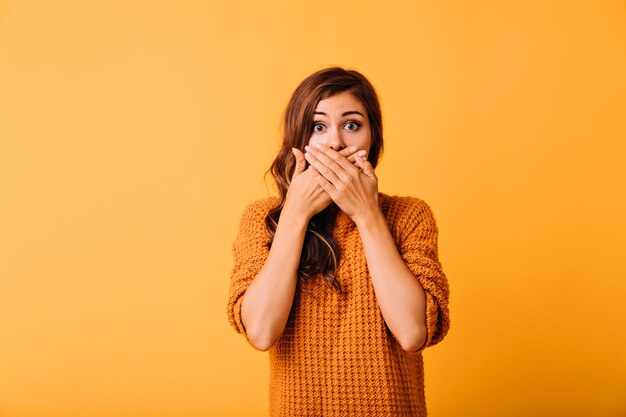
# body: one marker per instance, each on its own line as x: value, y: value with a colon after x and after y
x: 336, y: 356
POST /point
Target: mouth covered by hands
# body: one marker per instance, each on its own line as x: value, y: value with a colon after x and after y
x: 353, y: 186
x: 305, y: 197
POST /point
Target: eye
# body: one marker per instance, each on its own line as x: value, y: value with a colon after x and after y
x: 316, y: 126
x: 353, y: 125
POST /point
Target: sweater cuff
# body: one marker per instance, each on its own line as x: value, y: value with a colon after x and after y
x: 238, y: 321
x: 432, y: 316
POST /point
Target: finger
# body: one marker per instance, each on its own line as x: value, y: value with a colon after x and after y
x: 333, y: 159
x: 352, y: 158
x: 337, y: 164
x: 322, y: 168
x: 348, y: 151
x: 323, y: 182
x: 366, y: 167
x: 351, y: 153
x: 300, y: 161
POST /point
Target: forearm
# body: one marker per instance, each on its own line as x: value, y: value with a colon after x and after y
x: 400, y: 296
x: 267, y: 301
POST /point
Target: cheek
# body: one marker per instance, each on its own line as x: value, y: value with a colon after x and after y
x: 321, y: 140
x: 313, y: 139
x: 367, y: 141
x: 361, y: 140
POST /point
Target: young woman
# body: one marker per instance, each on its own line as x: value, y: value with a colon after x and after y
x: 340, y: 282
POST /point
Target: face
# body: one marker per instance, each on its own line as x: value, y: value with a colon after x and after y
x: 341, y: 121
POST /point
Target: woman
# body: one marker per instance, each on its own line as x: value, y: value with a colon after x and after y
x: 340, y: 282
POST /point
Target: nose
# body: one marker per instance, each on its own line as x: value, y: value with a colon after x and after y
x: 334, y: 140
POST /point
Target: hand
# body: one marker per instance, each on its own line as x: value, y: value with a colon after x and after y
x: 353, y: 187
x: 305, y: 194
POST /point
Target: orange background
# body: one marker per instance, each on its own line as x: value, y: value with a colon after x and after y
x: 132, y: 135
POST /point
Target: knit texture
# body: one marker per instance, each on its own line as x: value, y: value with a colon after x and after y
x: 336, y: 356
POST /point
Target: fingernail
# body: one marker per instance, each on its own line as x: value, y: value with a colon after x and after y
x: 318, y: 146
x: 361, y: 153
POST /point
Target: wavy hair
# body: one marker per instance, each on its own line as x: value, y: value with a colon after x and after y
x: 320, y: 253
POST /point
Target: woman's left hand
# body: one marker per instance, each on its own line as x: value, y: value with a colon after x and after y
x: 352, y: 186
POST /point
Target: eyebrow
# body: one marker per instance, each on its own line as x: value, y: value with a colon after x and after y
x: 344, y: 113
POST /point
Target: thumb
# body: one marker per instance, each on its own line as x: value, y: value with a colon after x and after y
x: 300, y: 161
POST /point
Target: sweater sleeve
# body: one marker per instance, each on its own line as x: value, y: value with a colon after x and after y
x: 250, y: 250
x: 418, y: 248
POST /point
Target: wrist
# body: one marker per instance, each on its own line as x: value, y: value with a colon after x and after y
x: 294, y: 216
x: 369, y: 218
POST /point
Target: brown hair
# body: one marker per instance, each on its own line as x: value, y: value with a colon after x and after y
x: 320, y: 253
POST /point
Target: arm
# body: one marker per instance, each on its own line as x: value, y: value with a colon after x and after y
x: 401, y: 298
x: 418, y: 247
x: 410, y: 286
x: 267, y: 302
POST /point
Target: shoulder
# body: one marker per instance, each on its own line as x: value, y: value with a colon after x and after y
x: 260, y: 207
x: 409, y: 218
x: 252, y: 222
x: 403, y: 208
x: 254, y: 213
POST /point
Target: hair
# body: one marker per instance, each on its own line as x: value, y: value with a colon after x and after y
x: 320, y: 253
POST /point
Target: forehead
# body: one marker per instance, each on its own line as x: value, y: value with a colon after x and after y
x: 339, y: 103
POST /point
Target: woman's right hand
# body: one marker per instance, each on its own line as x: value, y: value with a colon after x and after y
x: 304, y: 195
